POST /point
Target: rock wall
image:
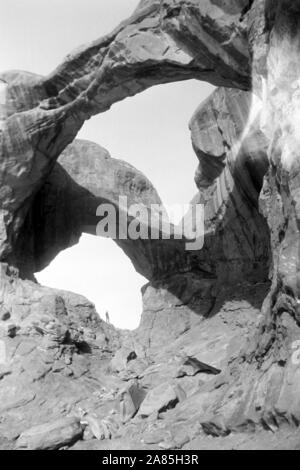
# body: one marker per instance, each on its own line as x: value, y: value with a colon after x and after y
x: 232, y: 153
x: 279, y: 201
x: 214, y: 307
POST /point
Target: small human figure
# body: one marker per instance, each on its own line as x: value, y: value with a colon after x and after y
x: 107, y: 317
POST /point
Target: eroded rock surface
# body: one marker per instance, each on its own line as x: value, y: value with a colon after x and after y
x: 161, y: 42
x: 84, y: 178
x: 214, y: 306
x: 52, y: 436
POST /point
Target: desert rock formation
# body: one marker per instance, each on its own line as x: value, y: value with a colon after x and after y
x: 219, y: 326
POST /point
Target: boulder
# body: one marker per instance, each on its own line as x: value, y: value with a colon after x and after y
x: 192, y: 366
x: 161, y: 398
x: 121, y: 358
x: 130, y: 401
x: 51, y: 436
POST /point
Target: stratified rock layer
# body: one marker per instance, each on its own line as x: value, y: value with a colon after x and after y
x: 210, y: 305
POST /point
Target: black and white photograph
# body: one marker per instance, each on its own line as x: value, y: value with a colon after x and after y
x: 149, y: 228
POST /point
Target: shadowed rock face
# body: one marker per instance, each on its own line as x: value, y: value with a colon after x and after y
x: 84, y: 177
x: 206, y: 304
x: 226, y: 134
x: 279, y: 201
x: 232, y: 153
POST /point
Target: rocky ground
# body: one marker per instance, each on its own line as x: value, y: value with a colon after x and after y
x: 74, y: 382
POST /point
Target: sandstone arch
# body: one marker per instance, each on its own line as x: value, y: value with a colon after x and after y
x: 156, y: 45
x: 161, y: 42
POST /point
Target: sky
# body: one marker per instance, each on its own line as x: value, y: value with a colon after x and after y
x: 150, y: 131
